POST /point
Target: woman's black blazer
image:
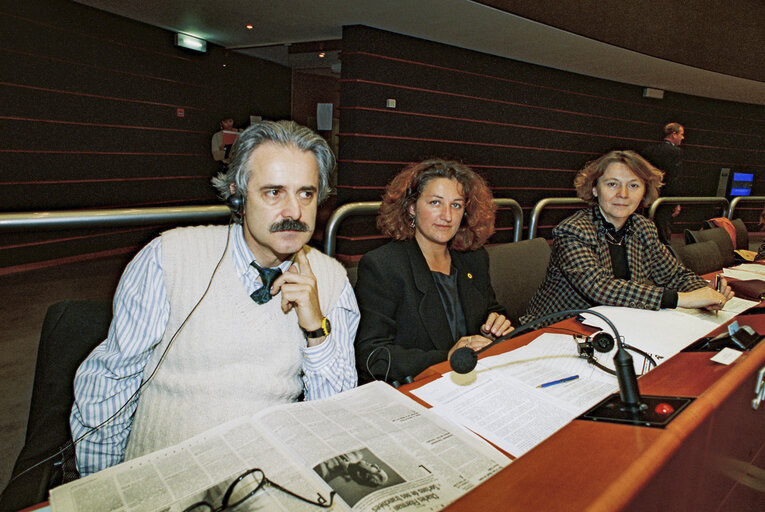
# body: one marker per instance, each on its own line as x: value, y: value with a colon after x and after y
x: 401, y: 309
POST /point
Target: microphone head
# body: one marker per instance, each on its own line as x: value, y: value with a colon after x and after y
x: 463, y: 360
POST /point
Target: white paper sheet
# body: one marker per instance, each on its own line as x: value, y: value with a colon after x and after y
x: 661, y: 333
x: 742, y: 274
x: 755, y: 268
x: 503, y: 403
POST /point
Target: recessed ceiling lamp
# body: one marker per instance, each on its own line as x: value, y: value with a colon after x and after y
x: 249, y: 27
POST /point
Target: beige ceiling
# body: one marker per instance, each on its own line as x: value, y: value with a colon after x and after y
x: 462, y: 23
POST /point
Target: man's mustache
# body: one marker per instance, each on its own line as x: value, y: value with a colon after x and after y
x: 288, y: 225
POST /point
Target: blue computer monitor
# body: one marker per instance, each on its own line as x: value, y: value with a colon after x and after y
x: 741, y: 184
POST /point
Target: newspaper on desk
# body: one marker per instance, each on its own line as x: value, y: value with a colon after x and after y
x: 305, y: 447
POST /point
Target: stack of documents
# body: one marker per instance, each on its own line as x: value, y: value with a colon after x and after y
x: 746, y: 271
x: 504, y: 403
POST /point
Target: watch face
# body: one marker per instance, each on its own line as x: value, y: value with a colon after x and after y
x: 327, y: 326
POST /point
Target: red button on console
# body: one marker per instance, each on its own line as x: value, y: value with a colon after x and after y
x: 664, y: 409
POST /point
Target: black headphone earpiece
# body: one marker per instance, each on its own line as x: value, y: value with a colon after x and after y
x: 236, y: 204
x: 602, y: 341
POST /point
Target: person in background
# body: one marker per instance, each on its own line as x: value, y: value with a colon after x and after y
x: 221, y: 146
x: 216, y: 322
x: 609, y: 255
x: 668, y: 157
x: 428, y: 292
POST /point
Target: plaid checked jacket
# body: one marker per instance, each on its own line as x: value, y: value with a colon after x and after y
x: 580, y: 274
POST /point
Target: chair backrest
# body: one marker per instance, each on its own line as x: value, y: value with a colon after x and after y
x: 517, y: 269
x: 70, y: 331
x: 353, y: 273
x: 702, y: 257
x: 719, y: 236
x: 742, y: 235
x: 736, y: 230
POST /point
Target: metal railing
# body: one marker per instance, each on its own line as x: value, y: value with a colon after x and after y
x: 77, y: 219
x: 544, y: 203
x: 689, y: 200
x: 517, y: 211
x: 574, y: 201
x: 74, y: 219
x: 743, y: 199
x: 340, y: 214
x: 371, y: 207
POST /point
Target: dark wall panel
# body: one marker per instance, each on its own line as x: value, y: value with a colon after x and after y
x: 725, y: 37
x: 526, y: 128
x: 101, y: 111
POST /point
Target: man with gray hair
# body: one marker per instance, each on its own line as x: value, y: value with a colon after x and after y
x: 196, y: 338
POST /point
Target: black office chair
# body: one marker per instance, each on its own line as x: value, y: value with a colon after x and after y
x: 70, y: 331
x: 517, y: 269
x: 718, y: 235
x: 742, y: 235
x: 702, y: 258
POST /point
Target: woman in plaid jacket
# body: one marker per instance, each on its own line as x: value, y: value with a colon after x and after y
x: 609, y: 255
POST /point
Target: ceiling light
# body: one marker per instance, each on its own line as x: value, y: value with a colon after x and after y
x: 249, y: 27
x: 190, y: 42
x: 322, y: 55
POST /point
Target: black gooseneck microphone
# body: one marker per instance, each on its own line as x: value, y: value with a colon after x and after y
x: 464, y: 360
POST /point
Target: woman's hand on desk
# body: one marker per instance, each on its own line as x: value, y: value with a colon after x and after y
x: 706, y: 297
x: 475, y: 342
x: 496, y: 325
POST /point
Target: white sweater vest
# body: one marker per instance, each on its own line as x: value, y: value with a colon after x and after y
x: 233, y: 357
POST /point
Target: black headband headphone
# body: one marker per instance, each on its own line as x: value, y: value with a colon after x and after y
x: 602, y: 342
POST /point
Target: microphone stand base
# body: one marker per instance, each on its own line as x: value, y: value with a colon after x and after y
x: 654, y: 411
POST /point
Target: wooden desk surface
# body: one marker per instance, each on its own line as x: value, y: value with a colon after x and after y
x: 700, y: 461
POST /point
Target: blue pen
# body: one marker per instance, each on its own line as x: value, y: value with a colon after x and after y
x: 559, y: 381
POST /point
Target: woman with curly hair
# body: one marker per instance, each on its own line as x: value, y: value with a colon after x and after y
x: 427, y: 292
x: 609, y: 255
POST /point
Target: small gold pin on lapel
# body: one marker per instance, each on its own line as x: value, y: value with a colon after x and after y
x: 470, y: 276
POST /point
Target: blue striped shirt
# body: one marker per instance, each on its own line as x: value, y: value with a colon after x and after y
x: 114, y: 370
